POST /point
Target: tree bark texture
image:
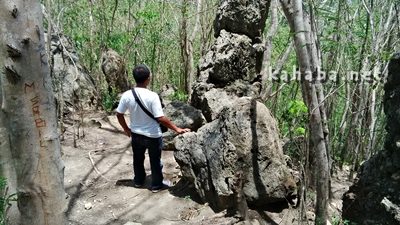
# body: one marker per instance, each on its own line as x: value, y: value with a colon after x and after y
x: 187, y: 44
x: 29, y: 112
x: 7, y: 169
x: 308, y: 62
x: 266, y: 64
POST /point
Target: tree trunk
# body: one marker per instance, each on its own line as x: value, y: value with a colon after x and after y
x: 184, y: 44
x: 29, y: 106
x: 206, y: 25
x: 308, y: 61
x: 266, y: 64
x: 187, y: 44
x: 7, y: 169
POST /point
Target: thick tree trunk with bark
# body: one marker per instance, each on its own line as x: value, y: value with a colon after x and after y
x: 29, y: 113
x: 7, y: 169
x: 308, y: 62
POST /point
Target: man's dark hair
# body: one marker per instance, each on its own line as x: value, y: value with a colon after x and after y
x: 141, y: 73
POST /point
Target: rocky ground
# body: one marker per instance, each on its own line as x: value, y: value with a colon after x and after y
x: 96, y: 171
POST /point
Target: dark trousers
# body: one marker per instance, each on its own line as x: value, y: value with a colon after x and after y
x: 139, y: 145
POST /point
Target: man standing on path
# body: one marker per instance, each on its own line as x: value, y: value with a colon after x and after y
x: 144, y: 130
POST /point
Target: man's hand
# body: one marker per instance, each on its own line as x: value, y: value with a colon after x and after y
x: 182, y: 130
x: 166, y: 122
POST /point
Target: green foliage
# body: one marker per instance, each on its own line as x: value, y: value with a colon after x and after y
x: 5, y: 200
x: 180, y: 96
x: 297, y: 108
x: 294, y: 118
x: 281, y: 41
x: 339, y: 221
x: 109, y: 100
x: 299, y: 131
x: 140, y: 31
x: 149, y: 32
x: 118, y: 41
x: 3, y: 183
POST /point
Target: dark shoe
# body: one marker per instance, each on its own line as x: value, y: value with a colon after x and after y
x: 165, y: 185
x: 125, y: 182
x: 138, y: 185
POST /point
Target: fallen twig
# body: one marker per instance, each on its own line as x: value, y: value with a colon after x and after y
x: 97, y: 170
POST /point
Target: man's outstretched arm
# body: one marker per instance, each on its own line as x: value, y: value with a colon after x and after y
x: 166, y: 122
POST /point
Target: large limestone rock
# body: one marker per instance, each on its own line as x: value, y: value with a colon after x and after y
x: 391, y: 102
x: 244, y: 138
x: 183, y: 115
x: 231, y: 57
x: 241, y: 138
x: 72, y: 84
x: 375, y: 198
x: 211, y: 100
x: 242, y: 17
x: 231, y: 67
x: 114, y: 71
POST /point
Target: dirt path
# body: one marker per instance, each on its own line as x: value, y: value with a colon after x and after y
x: 96, y: 195
x: 92, y: 170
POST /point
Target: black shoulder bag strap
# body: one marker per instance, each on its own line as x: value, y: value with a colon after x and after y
x: 142, y: 106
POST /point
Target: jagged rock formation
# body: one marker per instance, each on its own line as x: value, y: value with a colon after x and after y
x: 229, y: 69
x: 114, y: 71
x: 375, y: 198
x: 233, y: 56
x: 241, y: 136
x: 71, y: 82
x: 166, y: 93
x: 212, y: 100
x: 244, y: 138
x: 242, y: 17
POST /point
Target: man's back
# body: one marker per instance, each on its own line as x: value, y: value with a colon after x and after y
x: 140, y: 122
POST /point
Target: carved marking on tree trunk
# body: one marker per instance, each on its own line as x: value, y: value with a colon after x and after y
x: 27, y: 87
x: 26, y: 40
x: 39, y: 121
x: 35, y: 106
x: 43, y: 56
x: 37, y: 31
x: 13, y: 51
x: 14, y: 12
x: 12, y: 76
x: 32, y: 86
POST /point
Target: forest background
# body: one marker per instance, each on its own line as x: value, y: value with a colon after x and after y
x: 353, y: 37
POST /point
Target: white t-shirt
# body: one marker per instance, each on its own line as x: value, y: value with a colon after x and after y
x: 140, y: 122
